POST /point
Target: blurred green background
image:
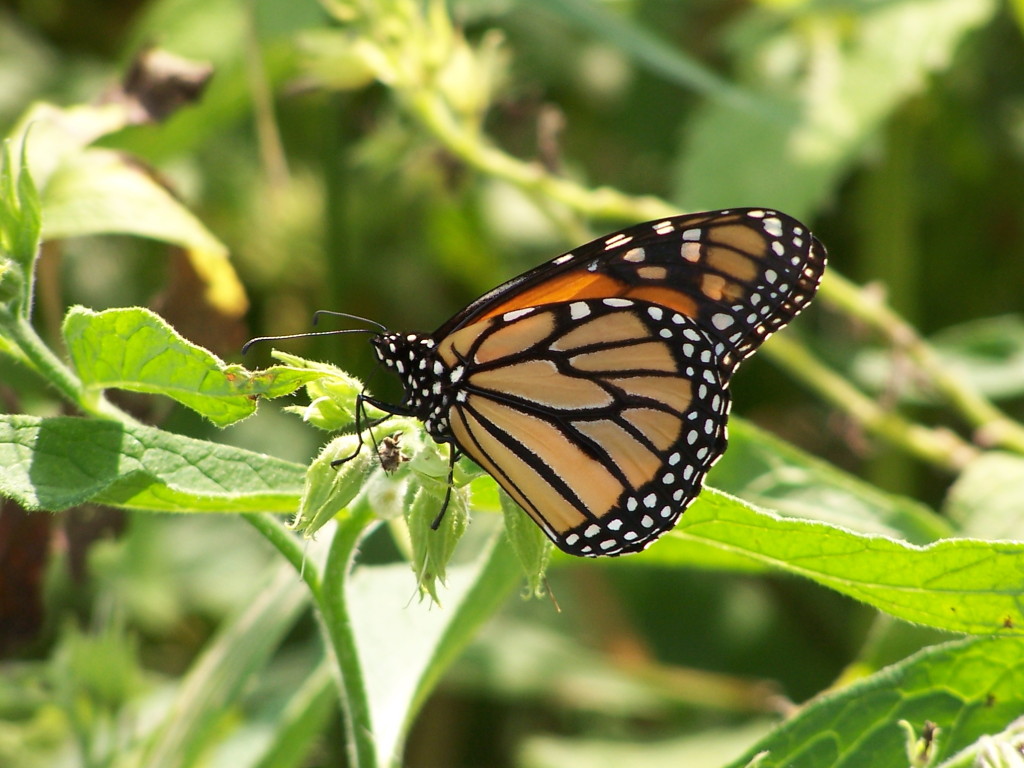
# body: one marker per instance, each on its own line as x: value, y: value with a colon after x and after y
x: 895, y: 129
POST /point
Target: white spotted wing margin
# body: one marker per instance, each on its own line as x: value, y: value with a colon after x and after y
x: 599, y: 417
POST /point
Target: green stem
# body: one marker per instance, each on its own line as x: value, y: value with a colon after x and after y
x: 329, y: 594
x: 992, y: 426
x: 337, y: 624
x: 939, y: 447
x: 602, y: 202
x: 33, y: 353
x: 37, y: 356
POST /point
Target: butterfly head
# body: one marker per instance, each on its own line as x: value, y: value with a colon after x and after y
x: 413, y: 357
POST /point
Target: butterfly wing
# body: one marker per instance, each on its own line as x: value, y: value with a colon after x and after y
x: 594, y: 387
x: 599, y: 417
x: 741, y: 274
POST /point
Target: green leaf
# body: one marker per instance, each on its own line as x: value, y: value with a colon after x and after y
x: 766, y: 471
x: 987, y: 499
x: 99, y: 192
x: 90, y: 191
x: 135, y: 349
x: 959, y: 585
x: 332, y: 395
x: 404, y: 646
x: 835, y: 75
x: 968, y: 688
x: 19, y: 241
x: 433, y: 548
x: 56, y: 463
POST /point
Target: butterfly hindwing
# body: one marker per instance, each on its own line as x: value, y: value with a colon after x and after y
x: 599, y: 417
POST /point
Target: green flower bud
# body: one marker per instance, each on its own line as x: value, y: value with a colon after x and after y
x: 329, y: 489
x: 532, y: 547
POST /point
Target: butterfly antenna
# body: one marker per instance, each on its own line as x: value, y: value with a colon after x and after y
x: 339, y: 332
x: 377, y: 328
x: 374, y: 323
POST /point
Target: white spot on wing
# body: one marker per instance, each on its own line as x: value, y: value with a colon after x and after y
x: 635, y: 255
x: 515, y: 314
x: 721, y: 321
x: 578, y: 310
x: 616, y: 240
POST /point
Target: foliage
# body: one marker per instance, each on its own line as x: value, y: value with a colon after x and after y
x: 384, y: 159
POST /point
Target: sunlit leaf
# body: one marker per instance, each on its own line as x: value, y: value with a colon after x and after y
x: 135, y: 349
x: 56, y: 463
x: 766, y: 471
x: 968, y: 688
x: 960, y: 585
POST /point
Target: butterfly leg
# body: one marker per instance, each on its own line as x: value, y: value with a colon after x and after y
x: 362, y: 424
x: 453, y: 456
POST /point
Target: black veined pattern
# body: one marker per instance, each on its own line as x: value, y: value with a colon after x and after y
x: 594, y: 388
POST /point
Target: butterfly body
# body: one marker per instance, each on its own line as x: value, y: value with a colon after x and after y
x: 594, y: 387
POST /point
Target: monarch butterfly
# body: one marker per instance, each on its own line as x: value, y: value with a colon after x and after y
x: 594, y: 388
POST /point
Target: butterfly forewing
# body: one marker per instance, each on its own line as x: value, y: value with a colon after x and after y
x: 743, y: 274
x: 594, y: 387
